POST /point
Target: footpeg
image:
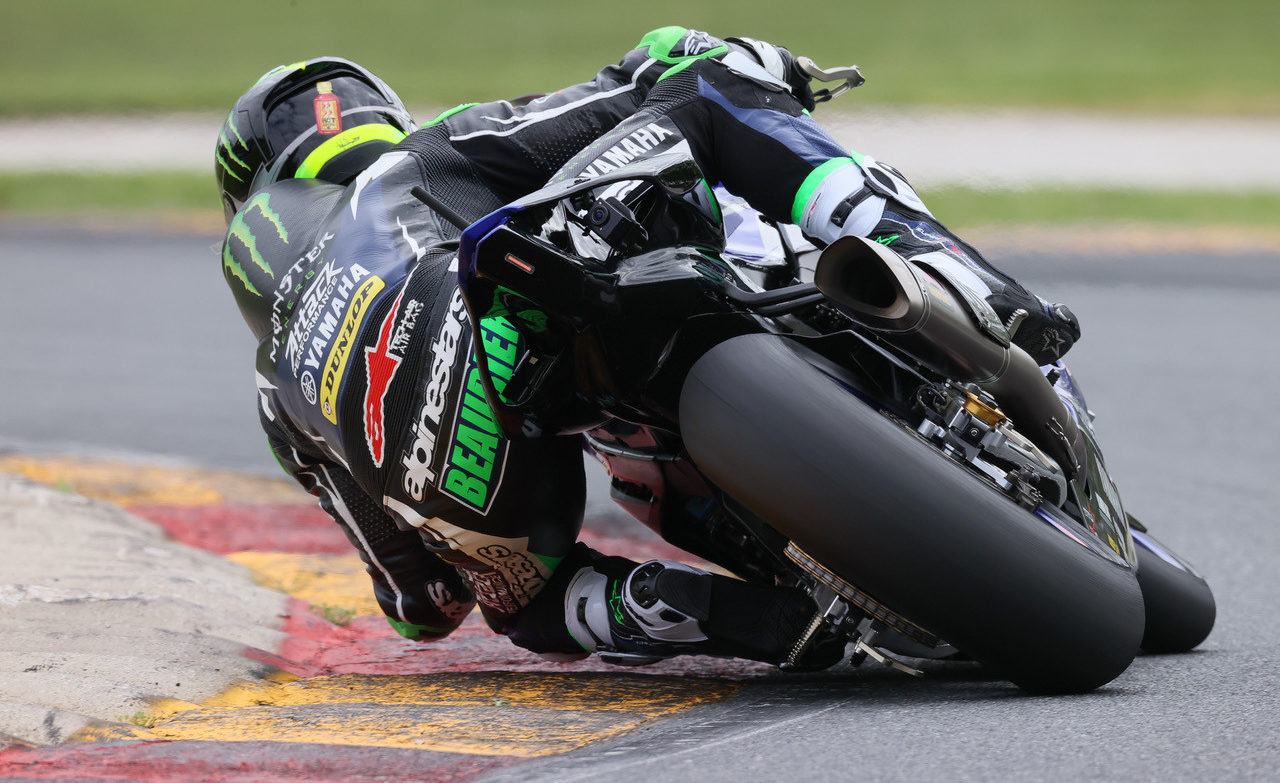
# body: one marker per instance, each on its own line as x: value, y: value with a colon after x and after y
x: 864, y: 650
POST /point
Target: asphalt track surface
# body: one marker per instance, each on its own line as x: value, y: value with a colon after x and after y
x: 120, y: 343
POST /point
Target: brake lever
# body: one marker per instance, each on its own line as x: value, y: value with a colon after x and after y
x: 849, y: 77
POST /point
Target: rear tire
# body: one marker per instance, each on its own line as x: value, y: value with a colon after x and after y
x: 905, y: 524
x: 1180, y: 609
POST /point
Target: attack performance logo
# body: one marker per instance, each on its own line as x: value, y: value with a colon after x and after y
x: 381, y: 363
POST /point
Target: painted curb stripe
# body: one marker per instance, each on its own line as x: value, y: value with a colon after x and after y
x: 352, y: 684
x: 485, y: 713
x: 154, y: 762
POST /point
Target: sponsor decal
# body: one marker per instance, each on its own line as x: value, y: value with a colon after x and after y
x: 512, y: 583
x: 446, y: 601
x: 418, y: 459
x: 335, y: 364
x: 308, y: 383
x: 287, y: 291
x: 381, y: 363
x: 242, y: 232
x: 695, y: 42
x: 630, y: 147
x: 316, y: 320
x: 225, y: 154
x: 477, y: 455
x: 328, y: 110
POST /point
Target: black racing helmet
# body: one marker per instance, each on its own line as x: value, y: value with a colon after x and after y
x: 326, y: 118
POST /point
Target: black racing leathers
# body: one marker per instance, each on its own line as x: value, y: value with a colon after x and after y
x: 367, y: 382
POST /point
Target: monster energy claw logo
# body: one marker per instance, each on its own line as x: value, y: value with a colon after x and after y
x: 244, y: 234
x: 224, y: 152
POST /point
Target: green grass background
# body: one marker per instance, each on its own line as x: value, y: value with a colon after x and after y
x: 960, y: 208
x: 1198, y: 56
x: 1143, y: 56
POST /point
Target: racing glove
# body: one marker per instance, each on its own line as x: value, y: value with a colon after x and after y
x: 781, y: 64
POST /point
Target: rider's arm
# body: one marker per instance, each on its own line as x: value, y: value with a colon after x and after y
x: 422, y: 597
x: 747, y: 127
x: 516, y: 148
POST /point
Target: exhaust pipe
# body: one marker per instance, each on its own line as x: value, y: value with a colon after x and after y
x: 914, y: 311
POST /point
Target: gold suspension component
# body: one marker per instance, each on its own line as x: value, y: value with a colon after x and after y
x: 981, y: 410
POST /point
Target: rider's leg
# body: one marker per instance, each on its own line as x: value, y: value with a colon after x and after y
x: 647, y: 611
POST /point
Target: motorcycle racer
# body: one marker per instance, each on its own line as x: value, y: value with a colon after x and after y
x: 368, y: 388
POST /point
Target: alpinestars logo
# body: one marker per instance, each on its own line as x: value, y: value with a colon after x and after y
x: 632, y: 146
x: 695, y: 42
x: 425, y: 429
x: 381, y: 363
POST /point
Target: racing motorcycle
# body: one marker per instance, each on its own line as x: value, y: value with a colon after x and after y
x: 851, y: 422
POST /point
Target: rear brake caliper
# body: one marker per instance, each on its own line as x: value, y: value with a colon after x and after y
x: 964, y: 422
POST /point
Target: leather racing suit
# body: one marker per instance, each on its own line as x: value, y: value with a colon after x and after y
x: 367, y: 384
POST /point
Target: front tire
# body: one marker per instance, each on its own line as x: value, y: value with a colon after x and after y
x: 1180, y: 609
x: 903, y: 523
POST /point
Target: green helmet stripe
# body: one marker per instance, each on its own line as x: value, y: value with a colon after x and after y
x: 231, y: 123
x: 226, y: 148
x: 351, y: 137
x: 223, y: 164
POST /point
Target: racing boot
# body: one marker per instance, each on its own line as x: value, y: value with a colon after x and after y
x: 1046, y: 332
x: 638, y: 614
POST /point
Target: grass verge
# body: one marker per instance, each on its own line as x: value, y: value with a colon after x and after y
x: 1176, y: 56
x: 139, y: 195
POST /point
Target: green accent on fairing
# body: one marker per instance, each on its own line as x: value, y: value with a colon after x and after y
x: 533, y: 318
x: 858, y: 157
x: 447, y: 113
x: 661, y: 41
x: 413, y: 630
x: 888, y: 240
x: 615, y: 603
x: 715, y: 202
x: 349, y: 138
x: 811, y: 184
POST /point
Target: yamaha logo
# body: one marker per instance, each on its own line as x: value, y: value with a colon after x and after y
x: 308, y: 382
